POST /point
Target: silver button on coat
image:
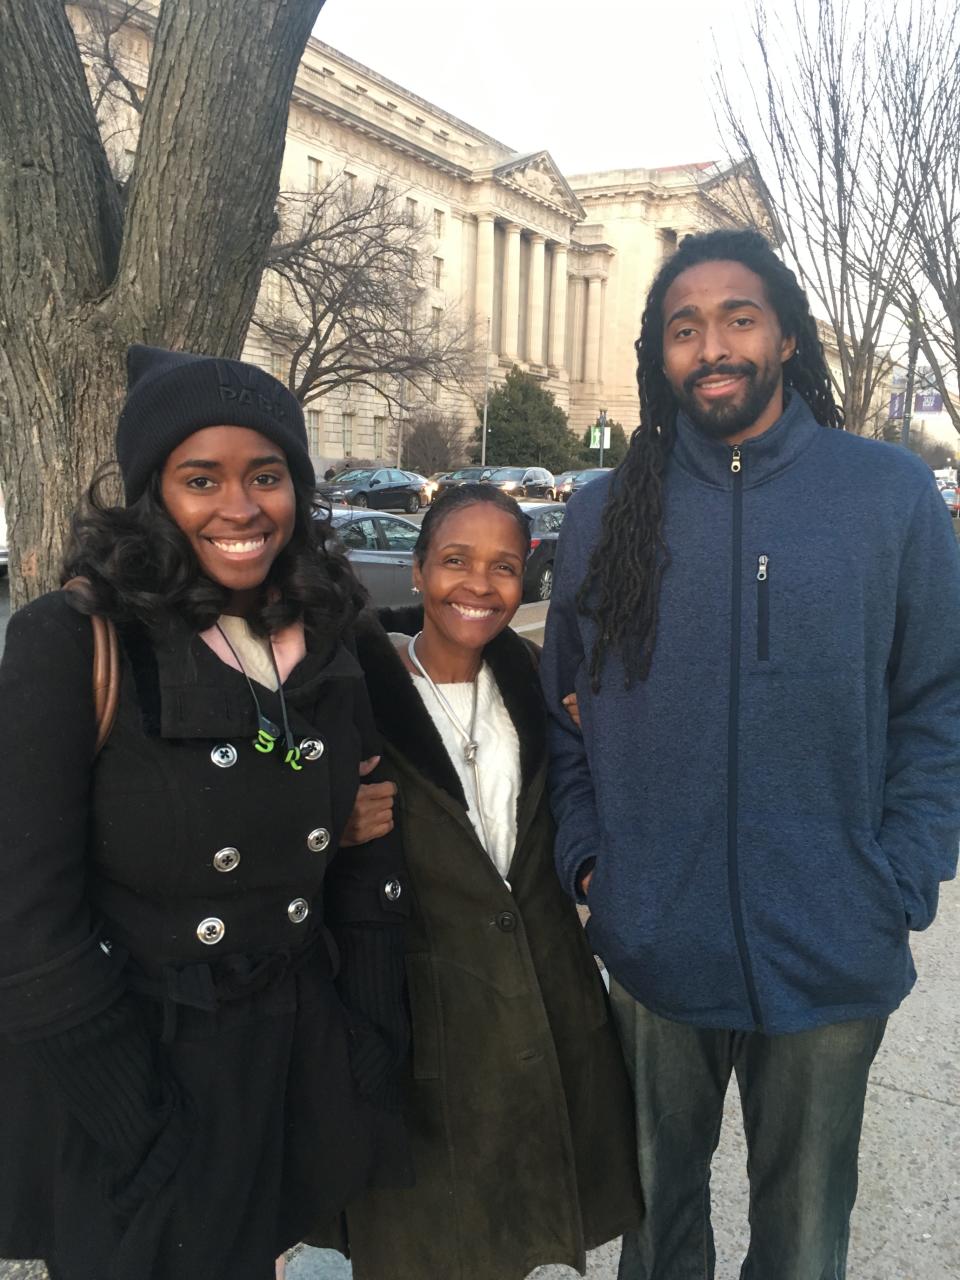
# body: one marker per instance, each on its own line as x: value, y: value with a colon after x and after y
x: 298, y: 910
x: 318, y: 839
x: 392, y: 890
x: 224, y: 755
x: 311, y: 748
x: 227, y: 859
x: 211, y: 931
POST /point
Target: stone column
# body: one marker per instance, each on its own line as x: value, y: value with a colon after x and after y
x: 591, y: 359
x: 558, y: 308
x: 510, y: 334
x: 484, y: 307
x: 535, y: 300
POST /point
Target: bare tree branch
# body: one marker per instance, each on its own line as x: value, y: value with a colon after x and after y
x: 101, y: 22
x: 348, y: 301
x: 807, y: 115
x: 922, y: 100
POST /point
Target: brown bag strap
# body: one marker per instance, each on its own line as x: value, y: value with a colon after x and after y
x: 106, y: 665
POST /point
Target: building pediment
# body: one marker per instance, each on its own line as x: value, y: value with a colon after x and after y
x: 537, y: 176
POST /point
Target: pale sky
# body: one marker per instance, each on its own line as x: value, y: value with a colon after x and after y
x: 600, y: 84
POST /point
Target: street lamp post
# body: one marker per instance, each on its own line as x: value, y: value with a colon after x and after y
x: 913, y: 352
x: 602, y: 420
x: 486, y: 396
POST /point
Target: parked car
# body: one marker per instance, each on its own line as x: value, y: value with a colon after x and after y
x: 560, y: 481
x: 577, y: 480
x: 380, y: 548
x: 4, y: 552
x: 523, y: 482
x: 427, y: 487
x: 545, y: 521
x: 381, y: 487
x: 464, y: 475
x: 951, y: 496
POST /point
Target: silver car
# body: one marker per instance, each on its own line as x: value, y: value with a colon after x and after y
x: 380, y: 549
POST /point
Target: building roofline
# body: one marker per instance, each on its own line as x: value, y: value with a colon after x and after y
x: 330, y: 51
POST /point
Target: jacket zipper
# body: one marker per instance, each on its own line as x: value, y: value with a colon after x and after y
x: 763, y: 609
x: 733, y: 740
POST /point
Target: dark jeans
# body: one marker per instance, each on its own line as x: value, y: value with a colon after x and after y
x: 802, y: 1097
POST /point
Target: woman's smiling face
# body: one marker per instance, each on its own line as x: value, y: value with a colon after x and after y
x: 229, y: 491
x: 471, y: 578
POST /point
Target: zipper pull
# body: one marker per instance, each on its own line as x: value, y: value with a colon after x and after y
x: 735, y: 460
x: 762, y: 568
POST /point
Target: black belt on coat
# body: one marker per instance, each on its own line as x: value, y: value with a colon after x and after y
x: 236, y: 977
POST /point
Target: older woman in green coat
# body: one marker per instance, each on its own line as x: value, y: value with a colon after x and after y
x: 517, y: 1097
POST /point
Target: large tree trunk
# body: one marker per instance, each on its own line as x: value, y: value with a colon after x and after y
x: 77, y: 281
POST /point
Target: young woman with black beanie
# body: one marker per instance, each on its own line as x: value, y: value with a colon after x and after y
x: 201, y: 1012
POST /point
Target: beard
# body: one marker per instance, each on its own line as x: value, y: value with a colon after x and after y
x: 720, y: 421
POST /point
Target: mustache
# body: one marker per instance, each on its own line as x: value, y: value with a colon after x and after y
x: 746, y: 370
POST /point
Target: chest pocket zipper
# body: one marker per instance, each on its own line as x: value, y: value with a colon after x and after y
x: 763, y: 608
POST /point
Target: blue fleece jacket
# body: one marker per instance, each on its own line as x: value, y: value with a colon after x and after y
x: 774, y: 808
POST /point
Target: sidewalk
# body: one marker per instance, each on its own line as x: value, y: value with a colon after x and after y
x: 907, y: 1222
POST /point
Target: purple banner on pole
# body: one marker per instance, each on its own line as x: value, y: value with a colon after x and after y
x: 928, y: 402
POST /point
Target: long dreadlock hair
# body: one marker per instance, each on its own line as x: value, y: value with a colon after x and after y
x: 622, y: 588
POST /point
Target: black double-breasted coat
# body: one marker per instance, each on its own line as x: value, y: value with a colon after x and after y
x: 517, y: 1099
x: 200, y: 999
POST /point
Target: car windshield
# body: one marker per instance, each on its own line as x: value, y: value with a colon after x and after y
x: 470, y: 473
x: 591, y: 474
x: 356, y: 474
x: 506, y: 473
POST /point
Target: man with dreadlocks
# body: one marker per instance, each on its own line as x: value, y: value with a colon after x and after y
x: 760, y: 614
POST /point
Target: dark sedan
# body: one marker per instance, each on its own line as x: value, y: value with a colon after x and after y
x: 545, y: 521
x: 380, y: 549
x: 382, y: 487
x: 577, y: 480
x: 465, y: 475
x: 523, y: 482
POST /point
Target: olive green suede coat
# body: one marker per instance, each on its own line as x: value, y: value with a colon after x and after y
x: 520, y: 1113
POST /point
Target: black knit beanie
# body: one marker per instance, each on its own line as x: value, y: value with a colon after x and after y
x: 171, y: 394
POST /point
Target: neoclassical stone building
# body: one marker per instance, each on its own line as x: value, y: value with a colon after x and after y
x: 546, y: 271
x: 550, y: 271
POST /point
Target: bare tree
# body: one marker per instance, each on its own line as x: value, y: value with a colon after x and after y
x: 347, y: 297
x: 81, y: 276
x: 99, y: 26
x: 434, y: 442
x: 807, y: 113
x: 922, y: 102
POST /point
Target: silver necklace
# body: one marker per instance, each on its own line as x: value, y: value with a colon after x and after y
x: 470, y: 744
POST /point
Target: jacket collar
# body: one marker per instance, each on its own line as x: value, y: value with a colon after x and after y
x: 185, y: 691
x: 761, y: 458
x: 405, y: 722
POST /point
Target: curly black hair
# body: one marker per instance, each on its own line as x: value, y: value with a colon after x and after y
x: 141, y: 567
x: 468, y: 495
x: 622, y: 588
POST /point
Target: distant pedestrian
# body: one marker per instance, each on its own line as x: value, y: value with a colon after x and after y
x: 200, y: 999
x: 761, y: 618
x: 329, y: 473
